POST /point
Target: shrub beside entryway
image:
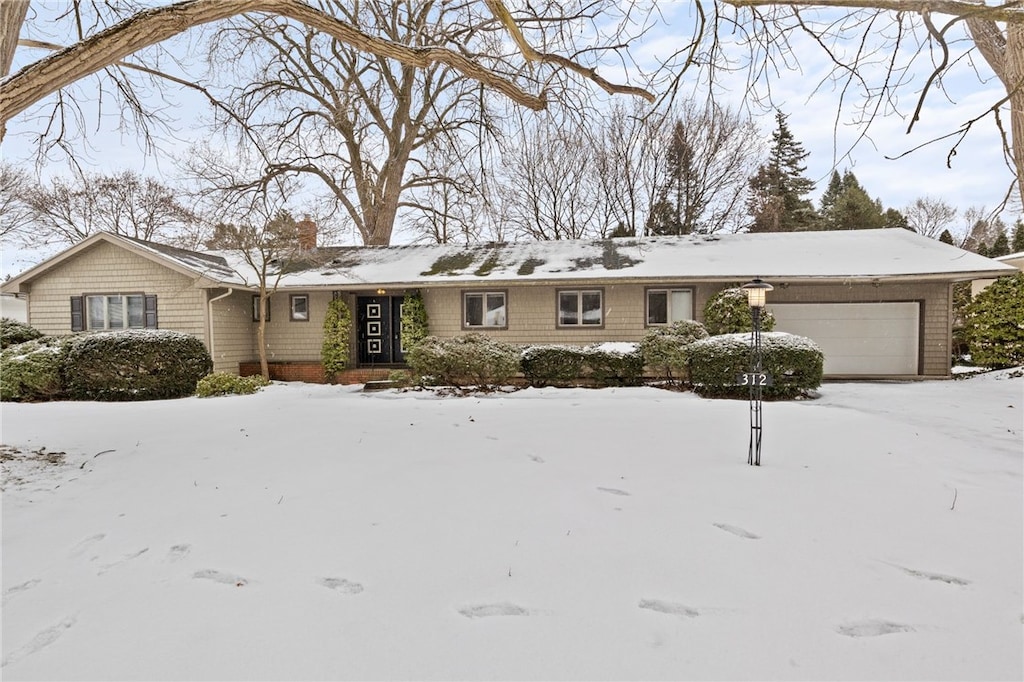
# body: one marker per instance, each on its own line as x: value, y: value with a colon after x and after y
x: 795, y: 362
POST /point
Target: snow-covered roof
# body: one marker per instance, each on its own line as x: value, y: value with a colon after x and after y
x: 793, y: 256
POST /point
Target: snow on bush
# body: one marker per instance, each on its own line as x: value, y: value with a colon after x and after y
x: 664, y: 348
x: 33, y: 370
x: 135, y: 364
x: 13, y: 332
x: 468, y: 360
x: 222, y: 383
x: 728, y: 312
x: 795, y: 363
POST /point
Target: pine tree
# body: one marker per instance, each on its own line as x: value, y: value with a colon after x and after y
x: 946, y: 237
x: 847, y: 206
x: 777, y: 190
x: 1000, y: 247
x: 894, y: 218
x: 1017, y: 245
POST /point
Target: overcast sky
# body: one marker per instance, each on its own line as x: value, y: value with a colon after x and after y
x: 978, y: 176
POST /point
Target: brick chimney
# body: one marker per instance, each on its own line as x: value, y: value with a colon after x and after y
x: 307, y: 233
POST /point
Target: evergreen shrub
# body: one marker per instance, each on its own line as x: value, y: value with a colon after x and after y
x: 552, y: 365
x: 334, y: 350
x: 13, y: 332
x: 468, y: 360
x: 415, y: 324
x: 728, y: 312
x: 222, y: 383
x: 664, y: 348
x: 795, y: 363
x: 135, y: 364
x: 994, y: 324
x: 32, y: 370
x: 614, y: 364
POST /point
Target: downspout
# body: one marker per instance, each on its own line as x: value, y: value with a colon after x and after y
x: 210, y: 303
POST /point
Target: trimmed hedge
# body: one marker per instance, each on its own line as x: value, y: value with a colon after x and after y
x: 469, y: 360
x: 994, y: 324
x: 337, y: 336
x: 664, y: 348
x: 13, y: 332
x: 614, y: 364
x: 33, y: 370
x: 795, y: 363
x: 552, y: 365
x: 222, y: 383
x: 136, y: 364
x: 728, y: 312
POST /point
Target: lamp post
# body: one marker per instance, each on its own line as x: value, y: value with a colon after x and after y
x: 756, y: 378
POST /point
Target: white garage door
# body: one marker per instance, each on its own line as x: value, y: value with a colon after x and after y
x: 857, y: 338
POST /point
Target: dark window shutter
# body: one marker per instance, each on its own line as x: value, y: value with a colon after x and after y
x: 78, y: 313
x: 151, y: 312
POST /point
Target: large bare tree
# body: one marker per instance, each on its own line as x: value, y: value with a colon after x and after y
x: 875, y: 48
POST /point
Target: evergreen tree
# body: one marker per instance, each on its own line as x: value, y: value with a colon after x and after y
x: 777, y: 190
x: 846, y: 206
x: 1000, y: 247
x: 946, y: 237
x: 1017, y: 245
x: 894, y: 218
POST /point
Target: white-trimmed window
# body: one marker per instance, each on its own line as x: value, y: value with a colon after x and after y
x: 484, y: 309
x: 115, y: 311
x: 583, y: 308
x: 299, y: 306
x: 665, y: 306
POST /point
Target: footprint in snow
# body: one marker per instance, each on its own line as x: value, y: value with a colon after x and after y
x: 613, y: 491
x: 220, y: 577
x: 671, y: 608
x: 489, y: 610
x: 126, y: 558
x: 536, y: 458
x: 341, y: 585
x: 42, y: 639
x: 85, y: 544
x: 872, y: 628
x: 178, y: 552
x: 21, y: 587
x: 736, y: 530
x: 938, y: 577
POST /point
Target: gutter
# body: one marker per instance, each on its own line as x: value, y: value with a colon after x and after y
x: 210, y: 303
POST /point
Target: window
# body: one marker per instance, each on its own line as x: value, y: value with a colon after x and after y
x: 665, y: 306
x: 256, y: 308
x: 299, y: 307
x: 484, y: 309
x: 98, y: 312
x: 580, y: 308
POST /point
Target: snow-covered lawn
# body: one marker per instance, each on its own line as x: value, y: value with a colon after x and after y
x: 317, y: 532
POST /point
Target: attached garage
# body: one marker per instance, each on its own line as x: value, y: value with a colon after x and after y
x: 858, y: 338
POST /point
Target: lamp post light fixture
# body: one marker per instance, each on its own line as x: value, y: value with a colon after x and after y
x: 756, y: 378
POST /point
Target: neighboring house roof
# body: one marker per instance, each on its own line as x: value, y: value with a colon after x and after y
x: 848, y: 255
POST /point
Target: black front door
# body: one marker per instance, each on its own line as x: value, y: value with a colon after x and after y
x: 379, y: 321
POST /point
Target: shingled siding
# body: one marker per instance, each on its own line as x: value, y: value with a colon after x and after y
x: 292, y: 340
x: 108, y: 269
x: 532, y: 313
x: 234, y: 332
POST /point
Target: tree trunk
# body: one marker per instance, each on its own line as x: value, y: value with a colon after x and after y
x: 12, y: 16
x: 261, y: 335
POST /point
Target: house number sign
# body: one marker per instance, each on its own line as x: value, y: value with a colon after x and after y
x: 754, y: 379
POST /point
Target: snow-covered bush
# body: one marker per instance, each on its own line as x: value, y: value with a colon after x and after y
x: 552, y: 365
x: 994, y: 324
x: 664, y: 348
x: 614, y: 364
x: 136, y: 364
x: 468, y: 360
x: 33, y: 370
x: 795, y: 363
x: 13, y: 332
x: 222, y: 383
x: 728, y: 312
